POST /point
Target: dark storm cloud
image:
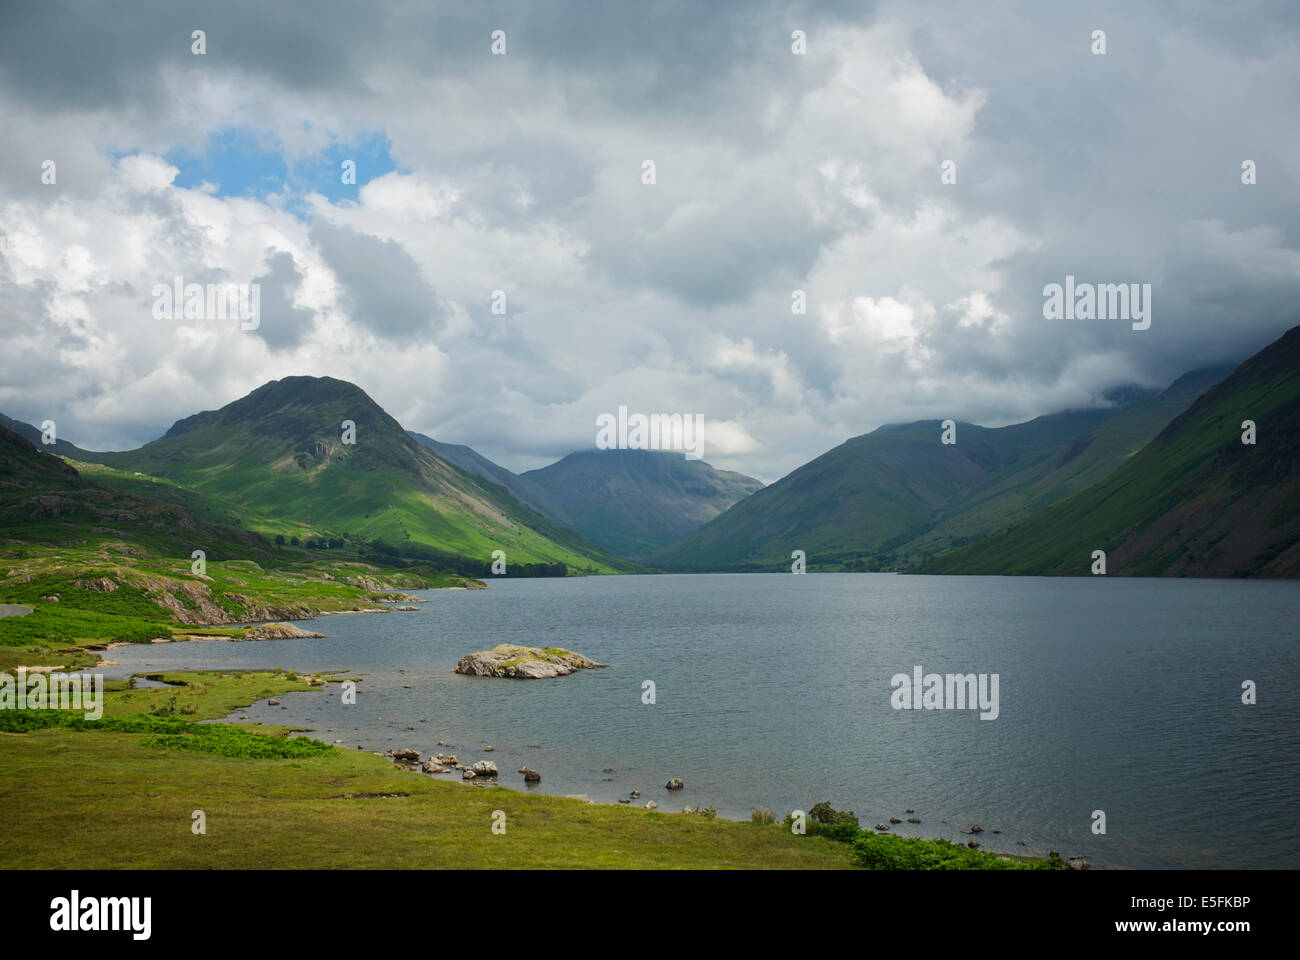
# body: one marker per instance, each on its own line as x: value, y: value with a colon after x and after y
x: 387, y: 293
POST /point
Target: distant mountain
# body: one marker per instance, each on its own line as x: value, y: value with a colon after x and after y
x: 281, y: 455
x: 632, y: 502
x: 471, y: 461
x: 871, y: 502
x: 33, y: 435
x: 1195, y: 502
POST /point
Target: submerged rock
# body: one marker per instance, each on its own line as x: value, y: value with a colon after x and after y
x: 523, y: 663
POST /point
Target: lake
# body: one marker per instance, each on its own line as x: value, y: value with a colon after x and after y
x: 774, y: 691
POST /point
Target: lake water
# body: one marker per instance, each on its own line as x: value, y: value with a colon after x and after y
x: 773, y: 690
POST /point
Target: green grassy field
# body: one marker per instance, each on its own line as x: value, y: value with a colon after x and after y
x: 128, y: 803
x: 127, y: 788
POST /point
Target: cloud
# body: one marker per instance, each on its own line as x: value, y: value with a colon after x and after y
x: 521, y: 174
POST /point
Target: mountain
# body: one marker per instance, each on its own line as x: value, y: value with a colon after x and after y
x: 281, y: 455
x: 1076, y: 465
x: 631, y: 502
x: 59, y: 447
x: 889, y: 497
x: 1195, y: 502
x: 44, y: 500
x: 471, y: 461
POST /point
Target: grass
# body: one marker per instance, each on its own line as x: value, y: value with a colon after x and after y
x: 129, y: 804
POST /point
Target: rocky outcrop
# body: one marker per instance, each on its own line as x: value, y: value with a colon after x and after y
x: 523, y: 663
x: 278, y: 631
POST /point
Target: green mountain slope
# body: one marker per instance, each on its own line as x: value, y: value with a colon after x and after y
x: 44, y: 500
x: 864, y: 503
x: 1075, y: 466
x: 634, y: 501
x: 1196, y: 501
x: 278, y: 456
x: 471, y: 461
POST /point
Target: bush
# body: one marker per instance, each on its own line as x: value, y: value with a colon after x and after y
x: 762, y: 816
x: 890, y: 852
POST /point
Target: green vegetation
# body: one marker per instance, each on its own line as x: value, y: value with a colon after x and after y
x: 883, y: 851
x: 275, y: 802
x: 887, y: 852
x: 276, y: 462
x: 1196, y: 501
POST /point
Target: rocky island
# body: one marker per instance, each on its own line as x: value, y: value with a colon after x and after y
x: 523, y: 663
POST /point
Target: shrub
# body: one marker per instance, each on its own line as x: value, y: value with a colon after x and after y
x: 762, y: 816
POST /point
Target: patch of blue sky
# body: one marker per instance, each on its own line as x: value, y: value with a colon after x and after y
x: 244, y: 162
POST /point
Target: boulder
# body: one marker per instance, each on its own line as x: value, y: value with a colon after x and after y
x: 524, y: 663
x: 674, y: 784
x: 432, y: 766
x: 484, y: 768
x: 407, y: 755
x: 976, y: 828
x: 468, y: 775
x: 913, y: 819
x: 531, y: 776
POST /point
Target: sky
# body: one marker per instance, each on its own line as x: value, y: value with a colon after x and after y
x: 812, y: 161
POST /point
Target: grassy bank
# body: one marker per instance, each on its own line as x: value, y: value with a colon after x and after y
x: 128, y: 801
x: 127, y: 787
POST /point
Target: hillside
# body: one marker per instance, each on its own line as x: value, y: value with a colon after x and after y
x: 632, y: 502
x: 279, y: 456
x: 858, y: 504
x: 1195, y: 502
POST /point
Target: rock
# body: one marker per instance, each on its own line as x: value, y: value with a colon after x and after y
x: 1078, y: 864
x: 674, y: 784
x: 406, y: 754
x: 995, y: 831
x: 52, y: 598
x: 1053, y: 854
x: 278, y: 631
x: 468, y: 775
x: 102, y: 585
x: 523, y: 663
x: 608, y: 770
x: 450, y: 759
x: 531, y: 776
x: 895, y: 820
x: 976, y: 828
x: 432, y: 766
x: 624, y: 800
x: 909, y: 810
x: 913, y: 819
x: 973, y: 844
x: 651, y: 805
x: 634, y: 794
x: 484, y: 768
x: 489, y: 748
x: 882, y: 826
x: 273, y: 703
